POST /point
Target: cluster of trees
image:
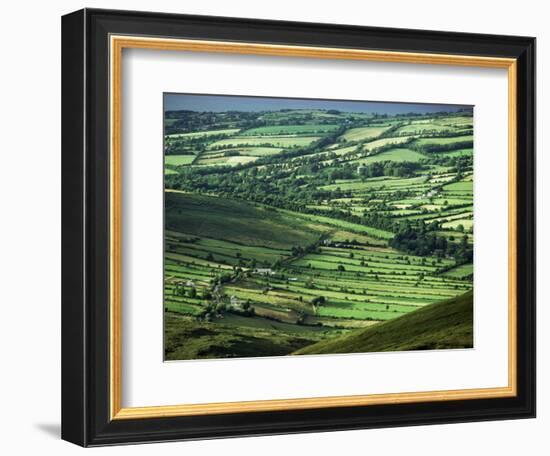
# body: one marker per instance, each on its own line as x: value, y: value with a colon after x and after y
x: 389, y: 168
x: 231, y: 153
x: 432, y: 133
x: 293, y: 117
x: 433, y: 147
x: 346, y: 171
x: 185, y: 121
x: 298, y: 250
x: 215, y: 310
x: 459, y: 165
x: 190, y: 144
x: 420, y: 240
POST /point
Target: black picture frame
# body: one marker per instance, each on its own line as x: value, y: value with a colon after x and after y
x: 85, y: 223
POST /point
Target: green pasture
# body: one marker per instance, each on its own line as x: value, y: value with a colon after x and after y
x: 394, y: 155
x: 178, y: 160
x: 363, y: 133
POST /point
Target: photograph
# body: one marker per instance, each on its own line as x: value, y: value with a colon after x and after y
x: 268, y: 225
x: 314, y: 227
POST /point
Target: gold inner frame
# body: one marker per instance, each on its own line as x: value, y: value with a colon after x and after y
x: 117, y: 44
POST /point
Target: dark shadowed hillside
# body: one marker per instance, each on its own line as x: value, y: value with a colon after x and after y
x: 446, y: 324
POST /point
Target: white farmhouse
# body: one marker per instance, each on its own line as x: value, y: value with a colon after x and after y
x: 234, y: 301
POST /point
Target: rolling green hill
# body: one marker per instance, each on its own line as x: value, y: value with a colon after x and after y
x: 445, y: 324
x: 238, y: 221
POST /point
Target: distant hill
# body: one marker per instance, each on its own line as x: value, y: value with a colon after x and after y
x: 442, y: 325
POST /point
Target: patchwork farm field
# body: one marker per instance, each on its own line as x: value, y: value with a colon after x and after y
x: 393, y: 155
x: 178, y: 160
x: 287, y: 230
x: 361, y: 133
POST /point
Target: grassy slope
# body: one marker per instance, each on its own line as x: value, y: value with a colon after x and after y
x: 235, y: 221
x: 446, y: 324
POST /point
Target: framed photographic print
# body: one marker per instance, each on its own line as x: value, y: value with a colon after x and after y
x: 277, y: 227
x: 294, y: 232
